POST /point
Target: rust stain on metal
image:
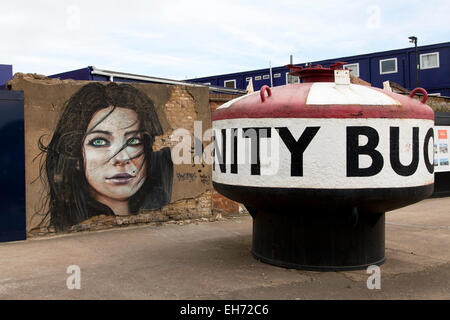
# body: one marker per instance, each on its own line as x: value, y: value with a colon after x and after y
x: 360, y: 113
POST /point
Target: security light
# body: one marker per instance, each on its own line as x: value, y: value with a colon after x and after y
x: 413, y: 39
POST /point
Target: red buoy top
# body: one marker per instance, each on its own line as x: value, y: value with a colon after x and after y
x: 315, y: 74
x: 322, y: 96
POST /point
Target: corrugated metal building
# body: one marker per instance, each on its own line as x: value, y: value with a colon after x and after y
x: 92, y: 73
x: 5, y: 74
x: 395, y: 65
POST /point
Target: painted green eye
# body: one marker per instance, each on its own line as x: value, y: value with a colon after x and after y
x: 134, y: 142
x: 98, y: 142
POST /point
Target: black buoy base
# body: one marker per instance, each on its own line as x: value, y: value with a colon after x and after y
x: 323, y: 240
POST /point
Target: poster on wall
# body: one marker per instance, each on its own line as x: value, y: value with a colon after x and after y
x: 441, y: 148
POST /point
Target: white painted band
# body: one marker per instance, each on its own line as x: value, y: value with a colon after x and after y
x: 324, y: 159
x: 229, y: 103
x: 327, y: 93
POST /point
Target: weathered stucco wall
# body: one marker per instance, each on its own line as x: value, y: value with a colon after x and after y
x: 438, y: 104
x: 176, y: 107
x: 220, y: 203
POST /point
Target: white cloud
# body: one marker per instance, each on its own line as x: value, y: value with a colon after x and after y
x: 179, y: 39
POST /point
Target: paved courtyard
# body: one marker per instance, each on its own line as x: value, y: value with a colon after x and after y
x: 212, y: 260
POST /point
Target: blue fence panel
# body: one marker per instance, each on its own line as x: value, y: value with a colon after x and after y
x: 12, y: 167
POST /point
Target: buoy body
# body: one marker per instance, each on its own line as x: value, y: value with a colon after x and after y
x: 318, y: 164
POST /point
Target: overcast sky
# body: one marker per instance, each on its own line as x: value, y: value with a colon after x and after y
x: 187, y: 39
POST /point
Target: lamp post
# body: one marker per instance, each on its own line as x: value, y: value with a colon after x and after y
x: 413, y: 39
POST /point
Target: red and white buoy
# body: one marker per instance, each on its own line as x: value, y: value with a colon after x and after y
x: 319, y: 163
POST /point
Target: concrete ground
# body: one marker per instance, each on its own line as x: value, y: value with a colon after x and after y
x: 212, y: 260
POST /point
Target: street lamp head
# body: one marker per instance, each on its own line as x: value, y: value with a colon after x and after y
x: 412, y: 39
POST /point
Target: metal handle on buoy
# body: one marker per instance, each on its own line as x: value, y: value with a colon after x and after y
x: 262, y: 93
x: 423, y: 91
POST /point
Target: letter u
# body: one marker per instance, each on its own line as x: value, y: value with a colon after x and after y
x: 399, y: 168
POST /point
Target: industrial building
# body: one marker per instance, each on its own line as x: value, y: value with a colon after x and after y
x: 398, y: 66
x: 92, y: 73
x: 6, y: 73
x: 394, y: 65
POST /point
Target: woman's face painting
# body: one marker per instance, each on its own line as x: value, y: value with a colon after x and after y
x: 113, y: 150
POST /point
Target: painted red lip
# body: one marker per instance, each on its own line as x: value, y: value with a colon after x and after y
x: 120, y: 178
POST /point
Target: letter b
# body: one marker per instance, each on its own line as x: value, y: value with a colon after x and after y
x: 354, y: 150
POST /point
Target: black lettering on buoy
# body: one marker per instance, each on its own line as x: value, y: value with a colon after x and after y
x: 234, y: 150
x: 255, y: 134
x: 221, y: 155
x: 428, y: 164
x: 354, y: 150
x: 296, y: 148
x: 394, y: 140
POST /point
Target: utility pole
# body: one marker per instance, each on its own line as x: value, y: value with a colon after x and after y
x: 270, y: 69
x: 413, y: 39
x: 289, y: 77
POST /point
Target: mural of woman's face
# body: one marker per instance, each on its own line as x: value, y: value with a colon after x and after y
x: 113, y: 151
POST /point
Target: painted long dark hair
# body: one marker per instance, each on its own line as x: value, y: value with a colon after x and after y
x: 69, y: 200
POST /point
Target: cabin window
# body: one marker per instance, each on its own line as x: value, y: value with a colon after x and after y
x: 429, y: 60
x: 248, y: 79
x: 388, y: 66
x: 230, y: 84
x: 354, y: 68
x: 258, y: 78
x: 266, y: 76
x: 292, y: 79
x: 277, y: 75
